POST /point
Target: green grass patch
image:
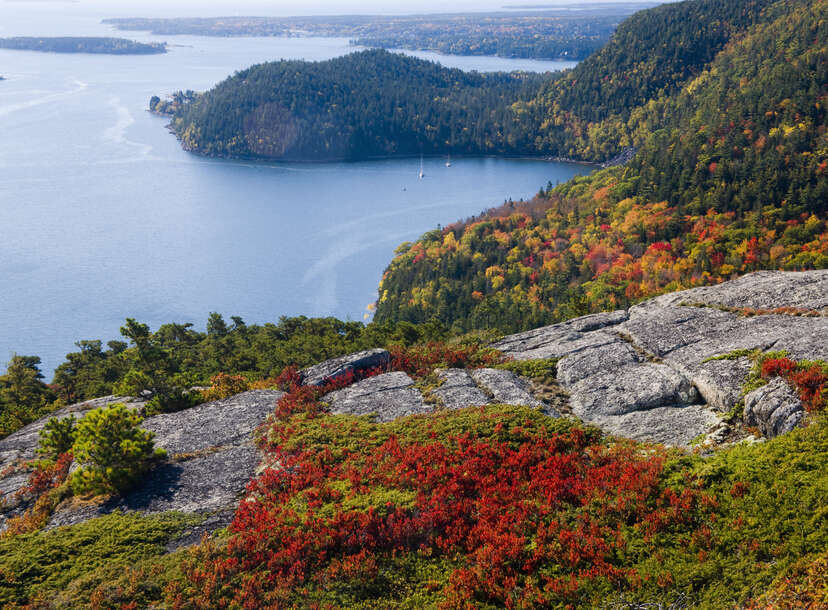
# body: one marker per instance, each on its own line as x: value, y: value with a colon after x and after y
x: 541, y: 368
x: 770, y: 512
x: 340, y: 435
x: 43, y: 564
x: 735, y: 355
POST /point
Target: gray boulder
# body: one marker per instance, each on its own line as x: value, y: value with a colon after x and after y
x: 505, y: 387
x: 389, y: 396
x: 636, y: 387
x: 209, y: 483
x: 336, y: 368
x: 211, y: 458
x: 393, y: 395
x: 720, y: 382
x: 562, y: 339
x: 592, y: 362
x: 774, y: 408
x: 675, y: 426
x: 223, y: 423
x: 458, y: 390
x: 759, y: 290
x: 553, y: 342
x: 661, y: 354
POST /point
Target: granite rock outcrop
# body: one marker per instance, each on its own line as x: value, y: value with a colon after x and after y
x: 351, y: 364
x: 774, y: 408
x: 668, y: 368
x: 665, y: 370
x: 211, y: 458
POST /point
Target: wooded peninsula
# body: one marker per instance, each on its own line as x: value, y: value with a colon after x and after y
x: 82, y: 44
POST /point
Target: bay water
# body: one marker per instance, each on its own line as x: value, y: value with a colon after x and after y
x: 103, y: 216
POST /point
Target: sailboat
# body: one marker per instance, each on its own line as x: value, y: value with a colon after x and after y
x: 422, y: 173
x: 448, y: 162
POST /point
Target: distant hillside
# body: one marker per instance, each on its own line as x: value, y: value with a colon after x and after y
x: 374, y: 104
x: 367, y: 104
x: 730, y: 177
x: 66, y: 44
x: 650, y: 56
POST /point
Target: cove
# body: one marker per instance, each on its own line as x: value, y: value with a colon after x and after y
x: 104, y: 217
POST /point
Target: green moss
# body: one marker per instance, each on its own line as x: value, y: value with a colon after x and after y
x: 377, y: 498
x: 405, y: 581
x: 116, y: 585
x: 426, y: 385
x: 734, y: 355
x: 541, y: 368
x: 341, y: 434
x: 769, y: 512
x: 42, y: 564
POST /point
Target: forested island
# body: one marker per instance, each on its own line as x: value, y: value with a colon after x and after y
x: 363, y: 105
x: 82, y: 44
x: 172, y: 104
x: 555, y: 34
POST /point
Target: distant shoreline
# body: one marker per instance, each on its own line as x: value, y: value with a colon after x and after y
x: 516, y: 157
x: 549, y: 36
x: 82, y: 44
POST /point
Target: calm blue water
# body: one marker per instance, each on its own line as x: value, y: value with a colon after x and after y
x: 103, y: 216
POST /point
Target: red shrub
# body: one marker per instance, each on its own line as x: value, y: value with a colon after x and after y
x: 777, y: 367
x: 506, y: 508
x: 288, y: 378
x: 811, y: 385
x: 420, y: 360
x: 660, y: 246
x: 47, y: 475
x: 809, y: 382
x: 739, y: 489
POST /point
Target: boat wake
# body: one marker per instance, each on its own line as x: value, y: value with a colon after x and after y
x: 46, y: 99
x: 123, y: 121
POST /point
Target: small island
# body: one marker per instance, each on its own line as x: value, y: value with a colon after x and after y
x: 85, y: 44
